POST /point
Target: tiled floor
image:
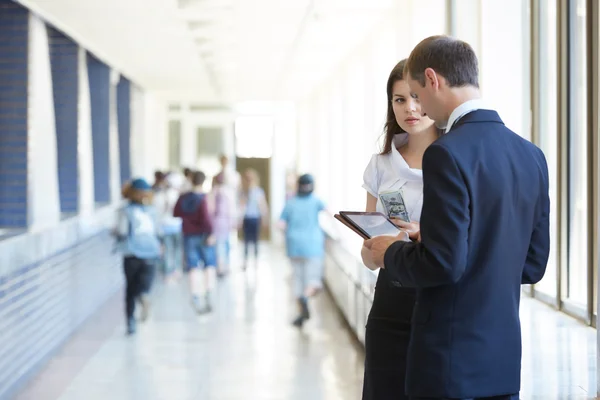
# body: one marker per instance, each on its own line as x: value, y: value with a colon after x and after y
x: 248, y: 350
x: 559, y: 355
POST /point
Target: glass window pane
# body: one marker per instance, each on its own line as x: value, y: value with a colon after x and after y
x: 436, y: 19
x: 175, y: 144
x: 547, y: 122
x: 578, y: 160
x: 254, y: 136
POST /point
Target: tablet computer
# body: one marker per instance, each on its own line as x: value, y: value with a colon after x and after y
x: 368, y: 224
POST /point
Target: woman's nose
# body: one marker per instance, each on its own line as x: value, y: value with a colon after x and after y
x: 411, y: 106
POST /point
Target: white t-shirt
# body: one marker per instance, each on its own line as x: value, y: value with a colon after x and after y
x: 231, y: 178
x: 164, y: 203
x: 390, y: 172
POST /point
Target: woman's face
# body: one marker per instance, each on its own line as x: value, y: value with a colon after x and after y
x: 407, y: 109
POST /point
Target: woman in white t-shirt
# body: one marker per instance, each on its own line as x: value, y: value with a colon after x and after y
x: 394, y: 175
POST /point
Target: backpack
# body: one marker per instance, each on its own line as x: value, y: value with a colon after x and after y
x: 142, y: 238
x: 190, y: 203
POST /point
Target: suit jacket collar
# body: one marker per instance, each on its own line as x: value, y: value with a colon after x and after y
x: 463, y: 109
x: 478, y: 116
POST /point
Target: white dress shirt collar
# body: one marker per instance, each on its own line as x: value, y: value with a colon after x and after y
x: 462, y: 110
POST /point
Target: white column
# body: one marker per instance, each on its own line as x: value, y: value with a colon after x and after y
x: 435, y: 24
x: 188, y: 138
x: 149, y: 134
x: 304, y: 124
x: 85, y: 153
x: 155, y: 135
x: 42, y: 188
x: 138, y: 127
x: 468, y: 23
x: 502, y: 58
x: 283, y: 158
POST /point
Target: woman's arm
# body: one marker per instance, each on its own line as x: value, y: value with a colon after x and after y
x: 365, y: 253
x: 371, y: 203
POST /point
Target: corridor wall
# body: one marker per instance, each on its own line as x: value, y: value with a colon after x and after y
x: 57, y: 264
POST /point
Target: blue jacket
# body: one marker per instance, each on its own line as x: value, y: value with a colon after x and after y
x: 484, y: 232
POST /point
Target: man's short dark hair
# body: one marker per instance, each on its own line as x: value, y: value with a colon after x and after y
x: 453, y: 59
x: 198, y: 178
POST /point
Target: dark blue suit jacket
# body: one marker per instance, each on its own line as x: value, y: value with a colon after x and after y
x: 484, y: 232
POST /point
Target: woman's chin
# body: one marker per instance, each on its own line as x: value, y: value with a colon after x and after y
x: 417, y: 129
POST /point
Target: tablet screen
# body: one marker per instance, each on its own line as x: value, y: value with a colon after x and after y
x: 374, y: 224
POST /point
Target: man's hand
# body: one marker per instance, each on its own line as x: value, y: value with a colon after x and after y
x: 412, y: 228
x: 379, y: 245
x: 367, y: 260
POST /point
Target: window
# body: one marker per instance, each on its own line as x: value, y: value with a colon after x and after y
x: 547, y: 94
x: 579, y: 214
x: 99, y: 80
x: 13, y: 116
x: 175, y: 144
x: 64, y: 59
x: 254, y: 136
x: 436, y: 19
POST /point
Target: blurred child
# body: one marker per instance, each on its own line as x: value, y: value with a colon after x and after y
x: 166, y: 193
x: 305, y: 243
x: 223, y: 218
x: 138, y: 236
x: 198, y: 242
x: 255, y: 213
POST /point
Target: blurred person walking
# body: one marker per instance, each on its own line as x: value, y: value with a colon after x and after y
x: 305, y: 244
x: 223, y: 219
x: 198, y: 242
x: 254, y: 211
x: 138, y: 238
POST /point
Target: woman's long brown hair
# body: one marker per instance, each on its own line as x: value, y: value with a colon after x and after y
x: 392, y: 128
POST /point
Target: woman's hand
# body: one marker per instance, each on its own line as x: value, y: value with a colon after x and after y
x: 412, y: 228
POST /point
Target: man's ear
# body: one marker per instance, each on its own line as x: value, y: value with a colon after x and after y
x: 432, y: 78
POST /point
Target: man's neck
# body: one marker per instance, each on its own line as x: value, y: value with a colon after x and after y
x: 460, y: 96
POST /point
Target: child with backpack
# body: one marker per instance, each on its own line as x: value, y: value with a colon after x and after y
x: 138, y: 239
x: 198, y: 242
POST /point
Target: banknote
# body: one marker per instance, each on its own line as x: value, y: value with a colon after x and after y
x: 393, y: 203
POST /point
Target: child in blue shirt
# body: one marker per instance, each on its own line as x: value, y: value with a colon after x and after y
x: 305, y: 243
x: 137, y: 234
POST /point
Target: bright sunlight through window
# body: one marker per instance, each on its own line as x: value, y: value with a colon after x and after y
x: 254, y: 136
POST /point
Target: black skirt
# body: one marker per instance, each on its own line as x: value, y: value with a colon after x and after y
x: 387, y: 339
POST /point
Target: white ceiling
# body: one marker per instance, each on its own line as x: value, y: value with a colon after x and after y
x: 218, y: 51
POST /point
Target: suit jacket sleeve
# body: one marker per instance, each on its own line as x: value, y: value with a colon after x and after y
x: 441, y: 256
x: 539, y: 246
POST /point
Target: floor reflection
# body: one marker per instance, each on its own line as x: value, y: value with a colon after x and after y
x: 248, y: 349
x: 559, y: 355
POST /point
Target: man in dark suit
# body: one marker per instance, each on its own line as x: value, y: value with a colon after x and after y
x: 483, y: 232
